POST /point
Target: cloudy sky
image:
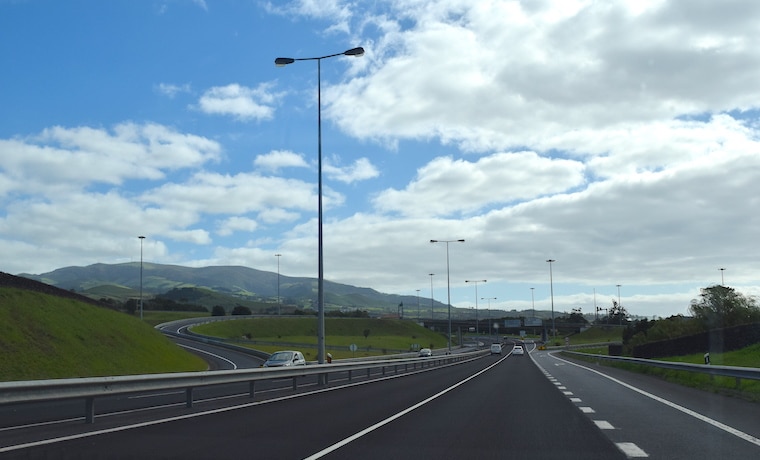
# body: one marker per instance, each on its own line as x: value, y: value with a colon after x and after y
x: 619, y: 138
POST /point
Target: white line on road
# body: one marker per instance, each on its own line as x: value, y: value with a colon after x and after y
x: 696, y: 415
x: 603, y: 424
x: 234, y: 366
x: 48, y: 441
x: 631, y: 450
x: 381, y: 423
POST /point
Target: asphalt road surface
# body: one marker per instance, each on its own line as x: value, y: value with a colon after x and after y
x: 531, y: 407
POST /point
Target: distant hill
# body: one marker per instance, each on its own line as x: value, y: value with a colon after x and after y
x: 122, y: 281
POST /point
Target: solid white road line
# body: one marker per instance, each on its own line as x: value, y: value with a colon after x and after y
x: 388, y: 420
x: 722, y: 426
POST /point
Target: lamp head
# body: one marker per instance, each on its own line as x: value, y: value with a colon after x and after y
x: 358, y: 52
x: 282, y: 62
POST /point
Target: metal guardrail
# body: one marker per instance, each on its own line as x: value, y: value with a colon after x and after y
x: 97, y: 387
x: 750, y: 373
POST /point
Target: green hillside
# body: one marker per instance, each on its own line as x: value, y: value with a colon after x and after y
x: 45, y: 336
x: 381, y: 333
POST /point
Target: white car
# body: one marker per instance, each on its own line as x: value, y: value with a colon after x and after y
x: 425, y: 352
x: 495, y: 349
x: 285, y: 358
x: 518, y: 350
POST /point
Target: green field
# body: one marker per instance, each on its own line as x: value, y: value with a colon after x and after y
x: 384, y: 335
x: 45, y: 337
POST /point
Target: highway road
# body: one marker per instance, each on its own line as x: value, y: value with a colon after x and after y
x: 538, y: 406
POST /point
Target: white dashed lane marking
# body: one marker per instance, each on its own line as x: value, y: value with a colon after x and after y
x: 629, y: 449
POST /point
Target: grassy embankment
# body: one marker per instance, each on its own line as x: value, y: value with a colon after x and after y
x: 45, y: 337
x: 154, y: 318
x: 746, y: 357
x: 384, y: 334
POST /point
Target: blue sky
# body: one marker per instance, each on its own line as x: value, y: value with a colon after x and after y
x: 618, y: 138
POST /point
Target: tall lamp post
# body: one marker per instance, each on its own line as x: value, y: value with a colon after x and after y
x: 489, y: 312
x: 477, y: 329
x: 278, y: 283
x: 281, y: 62
x: 620, y: 307
x: 722, y: 283
x: 448, y: 279
x: 141, y: 275
x: 432, y: 316
x: 418, y: 304
x: 551, y: 291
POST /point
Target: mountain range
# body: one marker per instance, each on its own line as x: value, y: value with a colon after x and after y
x: 120, y: 282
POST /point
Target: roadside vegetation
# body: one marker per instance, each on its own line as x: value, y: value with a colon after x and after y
x: 719, y: 317
x: 371, y: 336
x: 45, y: 336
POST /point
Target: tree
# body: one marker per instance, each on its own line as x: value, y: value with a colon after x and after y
x: 366, y: 333
x: 241, y: 310
x: 721, y: 306
x: 218, y: 310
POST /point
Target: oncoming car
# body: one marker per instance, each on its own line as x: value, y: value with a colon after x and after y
x: 495, y: 349
x: 285, y: 358
x: 425, y: 352
x: 518, y: 350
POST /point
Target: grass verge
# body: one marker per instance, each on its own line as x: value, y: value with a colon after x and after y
x: 745, y: 389
x: 45, y: 337
x: 372, y: 336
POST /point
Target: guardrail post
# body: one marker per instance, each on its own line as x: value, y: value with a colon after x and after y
x: 252, y: 389
x: 368, y: 372
x: 383, y: 368
x: 395, y: 368
x: 295, y: 383
x: 189, y: 397
x: 349, y: 375
x: 89, y: 410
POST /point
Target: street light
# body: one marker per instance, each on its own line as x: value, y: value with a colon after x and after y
x: 722, y: 283
x: 281, y: 62
x: 432, y: 316
x: 551, y: 290
x: 278, y: 283
x: 448, y: 279
x: 620, y: 307
x: 418, y: 304
x: 477, y: 329
x: 489, y: 312
x: 141, y: 275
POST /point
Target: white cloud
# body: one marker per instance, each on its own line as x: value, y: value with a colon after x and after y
x: 447, y: 187
x: 361, y: 169
x: 171, y: 90
x: 239, y: 101
x: 337, y: 11
x: 236, y: 224
x: 495, y: 75
x: 61, y: 159
x: 279, y: 159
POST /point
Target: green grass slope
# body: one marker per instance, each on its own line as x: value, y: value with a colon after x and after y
x: 383, y: 333
x: 45, y: 336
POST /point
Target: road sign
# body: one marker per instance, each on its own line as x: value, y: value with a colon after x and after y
x: 353, y: 347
